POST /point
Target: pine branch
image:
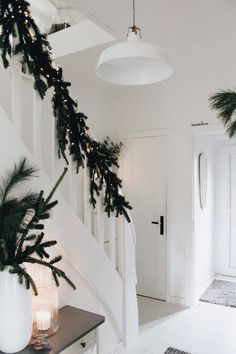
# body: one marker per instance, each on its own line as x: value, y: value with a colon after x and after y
x: 19, y: 217
x: 21, y: 172
x: 56, y: 186
x: 31, y: 224
x: 41, y: 213
x: 225, y: 103
x: 56, y: 272
x: 24, y: 278
x: 41, y: 87
x: 4, y: 251
x: 56, y: 259
x: 231, y: 130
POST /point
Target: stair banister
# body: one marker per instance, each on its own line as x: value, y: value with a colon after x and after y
x: 115, y: 236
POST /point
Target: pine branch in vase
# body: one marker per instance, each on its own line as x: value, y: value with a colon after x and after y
x: 21, y: 227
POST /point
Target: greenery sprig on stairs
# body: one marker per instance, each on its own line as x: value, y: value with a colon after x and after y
x: 21, y: 227
x: 72, y: 131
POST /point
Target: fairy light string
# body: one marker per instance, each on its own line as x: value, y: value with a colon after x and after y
x: 72, y: 131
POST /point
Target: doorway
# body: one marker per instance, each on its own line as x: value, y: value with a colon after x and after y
x: 214, y: 267
x: 145, y: 183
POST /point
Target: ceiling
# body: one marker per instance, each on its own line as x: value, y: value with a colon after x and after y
x: 160, y: 20
x: 196, y: 33
x: 200, y: 37
x: 165, y: 21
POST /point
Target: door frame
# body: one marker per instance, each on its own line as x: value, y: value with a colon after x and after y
x: 155, y: 134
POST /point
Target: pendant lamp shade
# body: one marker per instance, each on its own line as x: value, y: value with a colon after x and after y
x: 134, y: 62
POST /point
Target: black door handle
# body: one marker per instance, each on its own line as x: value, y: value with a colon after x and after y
x: 161, y: 223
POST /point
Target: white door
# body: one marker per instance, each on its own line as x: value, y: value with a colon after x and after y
x: 226, y: 260
x: 145, y: 184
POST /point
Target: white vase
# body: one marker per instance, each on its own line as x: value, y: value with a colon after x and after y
x: 15, y: 313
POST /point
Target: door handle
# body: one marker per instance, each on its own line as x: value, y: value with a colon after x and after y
x: 161, y: 223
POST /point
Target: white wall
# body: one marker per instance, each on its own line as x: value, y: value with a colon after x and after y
x: 205, y: 236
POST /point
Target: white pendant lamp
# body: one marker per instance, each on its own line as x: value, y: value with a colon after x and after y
x: 133, y: 62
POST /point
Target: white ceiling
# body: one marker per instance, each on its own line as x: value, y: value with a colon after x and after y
x: 174, y: 24
x: 166, y: 20
x: 196, y: 33
x: 200, y: 36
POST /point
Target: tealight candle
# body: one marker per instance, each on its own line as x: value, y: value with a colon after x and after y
x: 45, y: 312
x: 43, y: 320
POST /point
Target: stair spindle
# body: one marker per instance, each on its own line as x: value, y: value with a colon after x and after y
x: 87, y: 207
x: 112, y: 238
x: 37, y: 130
x: 16, y: 105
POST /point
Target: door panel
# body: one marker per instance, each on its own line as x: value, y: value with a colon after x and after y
x: 227, y: 211
x: 145, y: 183
x: 232, y: 260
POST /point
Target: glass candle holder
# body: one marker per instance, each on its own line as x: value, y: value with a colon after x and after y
x: 45, y: 312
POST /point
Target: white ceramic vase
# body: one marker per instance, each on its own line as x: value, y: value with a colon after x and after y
x: 15, y: 313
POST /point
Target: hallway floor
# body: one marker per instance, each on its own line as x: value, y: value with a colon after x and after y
x: 205, y: 329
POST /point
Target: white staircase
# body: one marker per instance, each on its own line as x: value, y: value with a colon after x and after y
x: 99, y: 252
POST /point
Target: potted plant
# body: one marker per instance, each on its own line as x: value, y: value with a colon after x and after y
x: 22, y: 242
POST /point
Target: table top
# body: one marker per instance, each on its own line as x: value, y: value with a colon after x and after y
x: 74, y: 324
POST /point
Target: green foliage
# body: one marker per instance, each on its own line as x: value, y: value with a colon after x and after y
x: 113, y: 149
x: 225, y: 103
x: 21, y: 224
x: 72, y: 131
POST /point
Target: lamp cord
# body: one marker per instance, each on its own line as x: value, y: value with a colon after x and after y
x: 134, y: 28
x: 134, y: 19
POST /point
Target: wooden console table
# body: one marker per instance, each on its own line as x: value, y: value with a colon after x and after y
x: 76, y: 334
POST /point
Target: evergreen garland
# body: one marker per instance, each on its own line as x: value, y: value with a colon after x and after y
x: 225, y: 103
x: 113, y: 148
x: 72, y: 131
x: 21, y: 227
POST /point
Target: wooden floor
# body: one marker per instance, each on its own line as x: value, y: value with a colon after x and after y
x: 205, y: 329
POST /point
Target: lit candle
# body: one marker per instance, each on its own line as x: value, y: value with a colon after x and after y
x: 43, y: 320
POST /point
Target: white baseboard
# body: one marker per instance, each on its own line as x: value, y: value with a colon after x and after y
x: 118, y: 348
x: 209, y: 277
x: 177, y: 300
